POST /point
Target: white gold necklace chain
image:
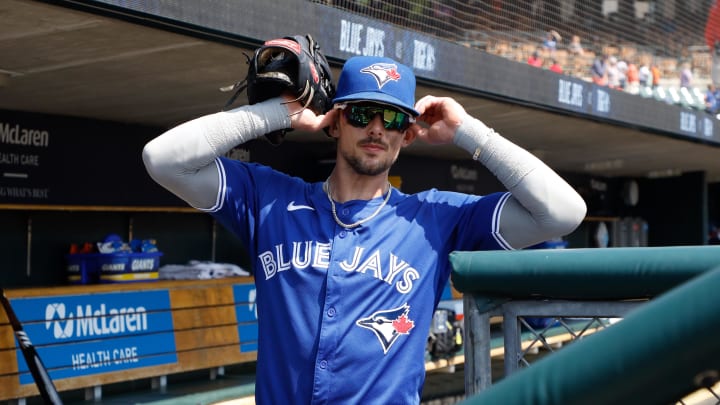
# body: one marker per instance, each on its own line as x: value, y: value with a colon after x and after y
x: 362, y: 221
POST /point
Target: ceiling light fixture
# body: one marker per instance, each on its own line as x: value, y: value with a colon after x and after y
x: 604, y: 165
x: 657, y: 174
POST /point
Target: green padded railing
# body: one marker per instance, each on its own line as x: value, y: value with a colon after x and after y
x: 612, y: 273
x: 659, y: 353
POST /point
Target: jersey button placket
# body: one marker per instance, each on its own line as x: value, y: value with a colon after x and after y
x: 329, y: 335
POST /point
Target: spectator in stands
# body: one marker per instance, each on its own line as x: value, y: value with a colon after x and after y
x: 622, y: 68
x: 711, y: 100
x: 576, y: 52
x: 535, y: 59
x: 712, y: 39
x: 612, y: 73
x: 644, y: 76
x: 550, y: 42
x: 655, y: 74
x: 686, y: 76
x: 555, y: 66
x: 633, y: 78
x: 575, y: 46
x: 599, y: 70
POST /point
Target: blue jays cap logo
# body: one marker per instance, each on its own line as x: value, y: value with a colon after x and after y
x: 379, y: 79
x: 382, y: 72
x: 388, y: 325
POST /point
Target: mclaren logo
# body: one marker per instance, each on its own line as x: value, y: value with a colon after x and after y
x: 382, y: 72
x: 388, y: 325
x: 55, y: 318
x: 89, y: 321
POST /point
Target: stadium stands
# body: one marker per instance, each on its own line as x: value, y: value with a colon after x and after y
x: 657, y: 35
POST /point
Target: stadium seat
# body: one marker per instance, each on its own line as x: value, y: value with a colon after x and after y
x: 660, y: 94
x: 673, y: 96
x: 700, y: 97
x: 646, y: 91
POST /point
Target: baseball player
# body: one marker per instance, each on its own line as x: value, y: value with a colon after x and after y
x: 349, y: 270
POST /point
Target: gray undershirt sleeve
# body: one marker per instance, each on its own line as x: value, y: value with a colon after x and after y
x: 543, y: 206
x: 183, y: 159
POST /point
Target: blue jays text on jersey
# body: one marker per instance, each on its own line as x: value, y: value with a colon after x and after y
x: 315, y: 254
x: 343, y: 314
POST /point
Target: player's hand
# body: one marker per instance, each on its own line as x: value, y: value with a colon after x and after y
x: 304, y: 119
x: 443, y: 116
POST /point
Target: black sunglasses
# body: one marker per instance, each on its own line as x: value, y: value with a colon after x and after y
x: 359, y: 116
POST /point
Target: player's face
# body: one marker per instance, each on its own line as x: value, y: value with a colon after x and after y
x: 370, y: 137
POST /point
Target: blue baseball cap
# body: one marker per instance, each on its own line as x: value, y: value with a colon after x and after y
x: 372, y: 78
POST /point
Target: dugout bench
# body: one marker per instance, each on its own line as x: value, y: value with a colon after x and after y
x: 94, y: 335
x: 91, y: 336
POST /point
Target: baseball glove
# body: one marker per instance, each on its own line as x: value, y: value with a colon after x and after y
x: 293, y: 65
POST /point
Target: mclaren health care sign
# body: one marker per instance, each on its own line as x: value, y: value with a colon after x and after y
x: 246, y: 315
x: 80, y: 335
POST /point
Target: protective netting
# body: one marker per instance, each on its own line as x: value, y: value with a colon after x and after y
x: 669, y: 37
x: 575, y: 34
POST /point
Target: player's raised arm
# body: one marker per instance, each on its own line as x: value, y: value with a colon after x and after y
x: 182, y: 159
x: 543, y: 205
x: 288, y: 85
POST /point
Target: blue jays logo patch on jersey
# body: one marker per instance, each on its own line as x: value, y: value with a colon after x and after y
x: 388, y: 325
x: 382, y: 72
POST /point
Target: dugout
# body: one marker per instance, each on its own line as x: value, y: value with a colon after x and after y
x: 82, y: 173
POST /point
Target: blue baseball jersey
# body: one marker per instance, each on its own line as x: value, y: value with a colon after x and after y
x: 344, y: 314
